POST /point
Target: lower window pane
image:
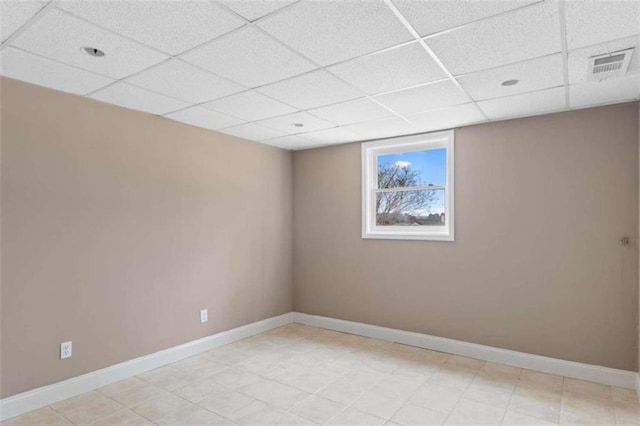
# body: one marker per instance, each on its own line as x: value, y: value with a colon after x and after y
x: 410, y: 208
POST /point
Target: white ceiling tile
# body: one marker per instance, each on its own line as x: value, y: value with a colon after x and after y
x: 536, y: 74
x: 548, y: 100
x: 591, y: 22
x: 249, y: 57
x: 249, y: 106
x: 290, y: 142
x: 34, y: 69
x: 524, y: 34
x: 133, y: 97
x: 424, y: 98
x: 311, y: 90
x: 394, y: 69
x: 332, y: 136
x: 285, y: 123
x: 429, y: 17
x: 351, y: 112
x: 579, y: 58
x: 446, y: 118
x: 202, y: 117
x: 332, y: 31
x: 604, y: 92
x: 61, y: 37
x: 184, y: 81
x: 253, y: 131
x: 170, y: 26
x: 15, y: 13
x: 255, y: 9
x: 383, y: 128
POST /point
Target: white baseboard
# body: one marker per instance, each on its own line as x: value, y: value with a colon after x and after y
x: 40, y: 397
x: 638, y: 386
x: 577, y: 370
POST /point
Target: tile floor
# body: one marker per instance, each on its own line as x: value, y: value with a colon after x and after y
x: 303, y: 375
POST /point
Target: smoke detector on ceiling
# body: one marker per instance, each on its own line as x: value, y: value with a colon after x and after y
x: 609, y: 65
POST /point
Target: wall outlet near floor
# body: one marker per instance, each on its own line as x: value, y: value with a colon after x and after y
x: 65, y: 350
x: 204, y: 316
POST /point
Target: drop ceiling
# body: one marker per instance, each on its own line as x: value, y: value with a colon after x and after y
x: 309, y: 73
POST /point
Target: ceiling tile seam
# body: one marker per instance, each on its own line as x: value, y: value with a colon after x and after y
x: 260, y: 19
x: 317, y: 65
x: 613, y: 40
x: 169, y: 55
x: 35, y: 18
x: 125, y: 80
x: 110, y: 31
x: 565, y: 52
x: 548, y: 55
x: 486, y: 18
x: 431, y: 53
x: 97, y: 74
x: 523, y: 93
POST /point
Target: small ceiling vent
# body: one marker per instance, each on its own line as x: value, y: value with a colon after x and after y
x: 609, y: 65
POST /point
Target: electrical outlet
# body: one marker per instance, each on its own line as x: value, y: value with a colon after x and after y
x: 66, y: 350
x: 204, y: 316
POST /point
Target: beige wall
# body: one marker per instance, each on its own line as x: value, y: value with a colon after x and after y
x: 536, y: 266
x: 119, y: 226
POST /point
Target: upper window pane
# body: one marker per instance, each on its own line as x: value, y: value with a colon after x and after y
x: 416, y: 168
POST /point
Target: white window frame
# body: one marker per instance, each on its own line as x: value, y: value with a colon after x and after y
x: 370, y: 153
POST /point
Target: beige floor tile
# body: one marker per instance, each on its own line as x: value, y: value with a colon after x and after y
x: 137, y: 394
x: 121, y: 418
x: 120, y: 386
x: 378, y: 405
x: 583, y: 387
x: 196, y: 391
x: 156, y: 408
x: 465, y: 362
x: 540, y: 402
x: 274, y: 393
x: 494, y: 369
x: 318, y: 410
x: 167, y: 378
x: 432, y: 356
x: 260, y: 413
x: 77, y: 402
x: 398, y: 385
x: 194, y: 415
x: 452, y: 376
x: 550, y: 381
x: 413, y: 415
x: 624, y: 395
x: 235, y: 378
x: 311, y: 380
x: 578, y: 408
x: 355, y: 417
x: 89, y: 412
x: 350, y: 387
x: 495, y: 399
x: 470, y: 412
x: 226, y: 403
x: 513, y: 418
x: 41, y: 417
x: 627, y: 413
x: 437, y: 398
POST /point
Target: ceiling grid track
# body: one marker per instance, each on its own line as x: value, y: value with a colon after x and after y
x: 431, y: 53
x: 363, y: 129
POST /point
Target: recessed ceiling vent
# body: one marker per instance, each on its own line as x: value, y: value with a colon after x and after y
x: 609, y: 65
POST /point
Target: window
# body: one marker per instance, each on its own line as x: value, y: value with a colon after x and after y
x: 407, y: 188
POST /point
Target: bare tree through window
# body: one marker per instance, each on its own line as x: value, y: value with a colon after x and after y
x: 405, y: 206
